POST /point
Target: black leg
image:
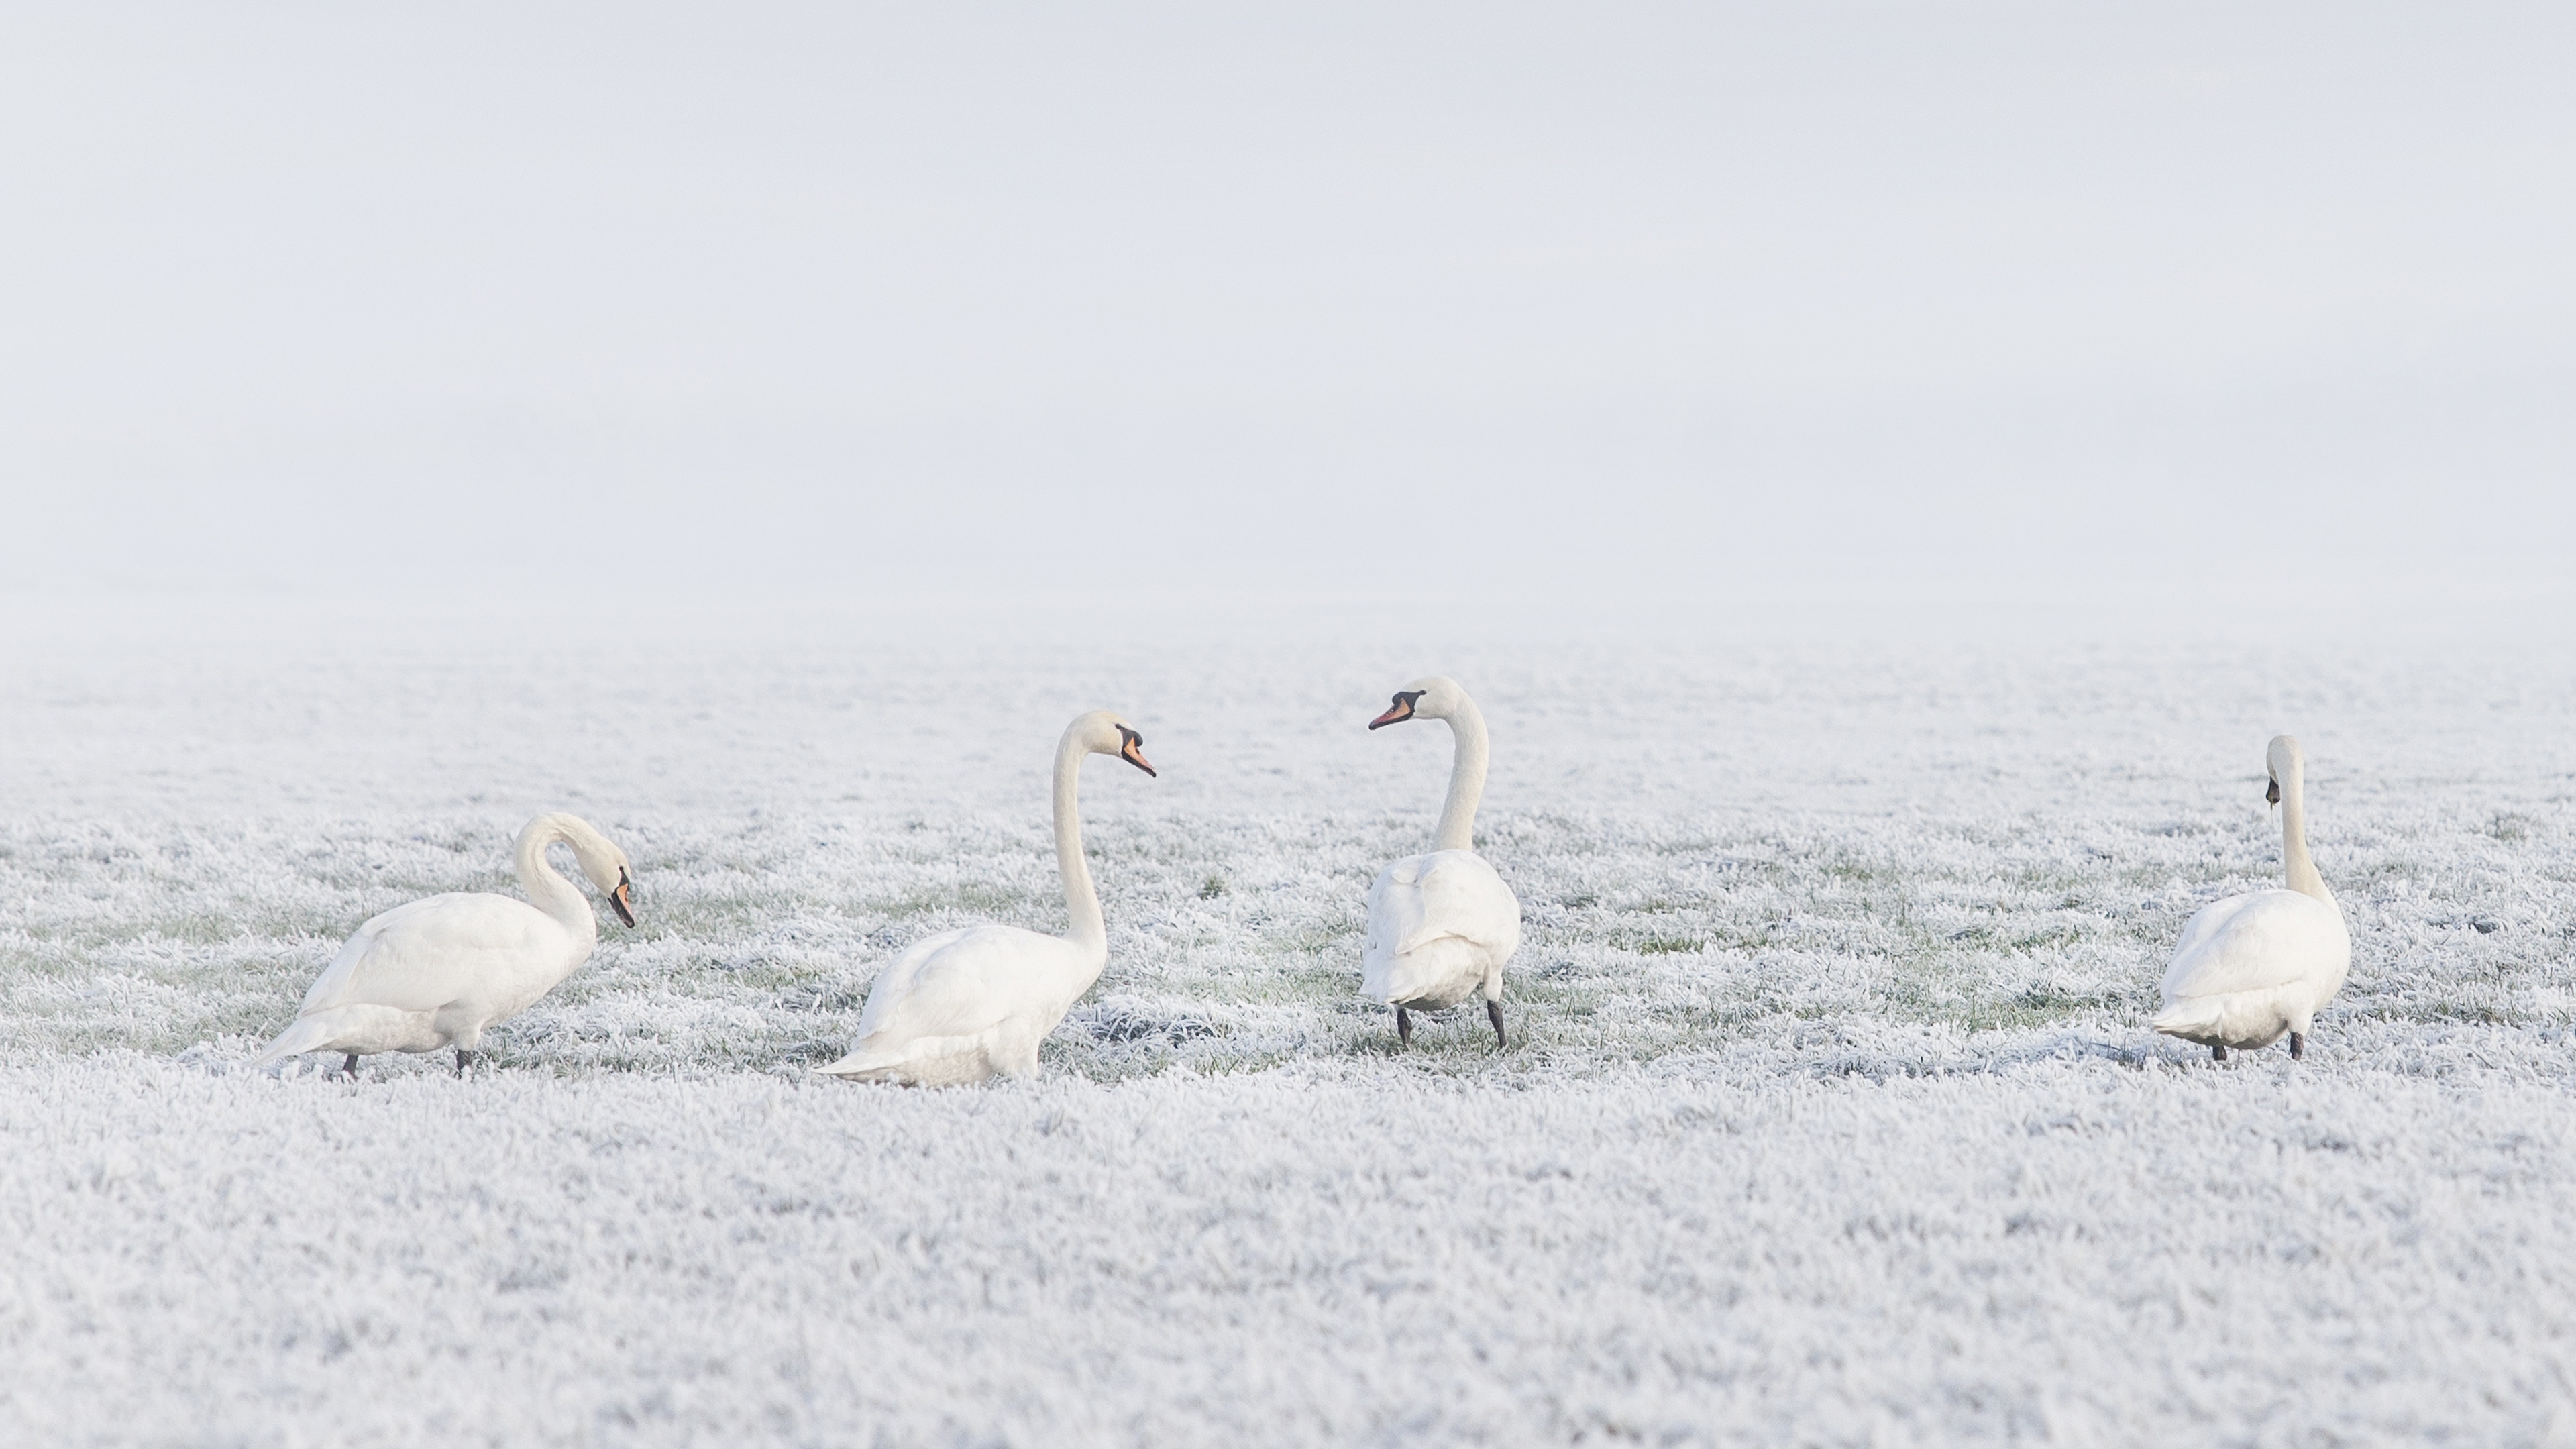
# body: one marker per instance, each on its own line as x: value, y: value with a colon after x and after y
x: 2298, y: 1045
x: 349, y: 1068
x: 1494, y: 1014
x: 464, y: 1059
x: 2218, y: 1054
x: 1404, y: 1026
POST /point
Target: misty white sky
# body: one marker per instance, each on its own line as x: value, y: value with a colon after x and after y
x: 820, y: 300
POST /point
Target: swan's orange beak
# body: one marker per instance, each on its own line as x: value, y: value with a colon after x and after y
x: 1396, y: 713
x: 1131, y: 748
x: 623, y: 897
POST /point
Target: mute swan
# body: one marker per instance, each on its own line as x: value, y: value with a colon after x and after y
x: 2251, y: 967
x: 1441, y: 925
x: 964, y: 1005
x: 438, y: 972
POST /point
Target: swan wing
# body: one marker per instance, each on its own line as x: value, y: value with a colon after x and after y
x: 423, y: 955
x: 2255, y: 942
x: 1423, y: 898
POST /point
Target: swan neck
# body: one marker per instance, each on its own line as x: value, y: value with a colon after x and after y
x: 546, y: 888
x: 1081, y: 902
x: 2297, y: 866
x: 1466, y: 779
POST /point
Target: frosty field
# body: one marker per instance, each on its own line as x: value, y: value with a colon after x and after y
x: 1831, y: 1116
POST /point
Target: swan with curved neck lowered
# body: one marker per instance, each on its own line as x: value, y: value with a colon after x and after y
x: 1441, y: 925
x: 440, y: 972
x: 2254, y: 967
x: 965, y: 1005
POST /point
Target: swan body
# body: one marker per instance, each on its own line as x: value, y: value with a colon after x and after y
x: 2253, y: 968
x: 1440, y: 928
x: 965, y: 1006
x: 1442, y: 925
x: 439, y: 972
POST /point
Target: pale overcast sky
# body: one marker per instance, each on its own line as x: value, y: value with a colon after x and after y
x: 818, y: 299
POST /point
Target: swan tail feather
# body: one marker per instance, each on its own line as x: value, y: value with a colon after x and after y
x: 360, y: 1026
x: 304, y: 1034
x: 1438, y: 972
x: 931, y: 1062
x: 2192, y: 1019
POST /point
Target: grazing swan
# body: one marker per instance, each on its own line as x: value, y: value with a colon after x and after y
x: 437, y: 972
x: 1441, y: 925
x: 2254, y: 966
x: 964, y: 1005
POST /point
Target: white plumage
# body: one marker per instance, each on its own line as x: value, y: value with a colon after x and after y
x: 439, y: 972
x: 1441, y: 926
x: 966, y: 1005
x: 2253, y: 968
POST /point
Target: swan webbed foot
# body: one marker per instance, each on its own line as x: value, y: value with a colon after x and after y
x: 2298, y: 1045
x: 2218, y: 1053
x: 1494, y: 1014
x: 1403, y: 1026
x: 349, y: 1068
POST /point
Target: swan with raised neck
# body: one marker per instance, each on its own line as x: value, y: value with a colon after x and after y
x: 2253, y: 968
x: 1442, y: 925
x: 966, y: 1005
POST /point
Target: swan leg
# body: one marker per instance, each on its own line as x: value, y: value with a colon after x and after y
x: 1494, y: 1014
x: 1404, y: 1026
x: 2298, y: 1045
x: 464, y: 1059
x: 349, y: 1068
x: 2218, y: 1053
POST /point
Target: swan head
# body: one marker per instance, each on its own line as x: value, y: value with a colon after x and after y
x: 600, y: 858
x: 1102, y: 732
x: 2284, y: 758
x: 1435, y: 697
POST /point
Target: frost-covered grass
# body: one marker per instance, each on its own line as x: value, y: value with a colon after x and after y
x: 1336, y: 1252
x: 1830, y: 1116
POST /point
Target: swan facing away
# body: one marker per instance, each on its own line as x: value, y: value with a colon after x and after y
x: 962, y: 1006
x: 2254, y: 966
x: 439, y: 972
x: 1441, y: 926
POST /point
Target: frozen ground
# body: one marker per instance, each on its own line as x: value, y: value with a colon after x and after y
x: 1833, y: 1119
